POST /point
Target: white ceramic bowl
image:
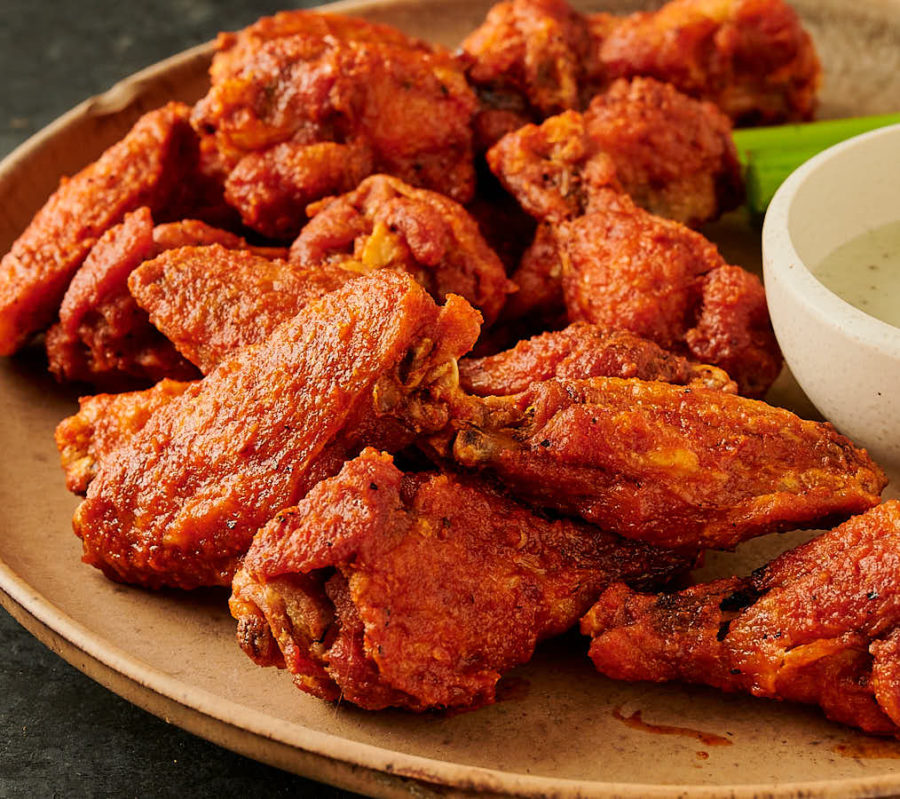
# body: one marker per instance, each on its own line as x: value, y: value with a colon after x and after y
x: 846, y: 361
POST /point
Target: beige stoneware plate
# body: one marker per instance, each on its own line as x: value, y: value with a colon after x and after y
x: 558, y: 730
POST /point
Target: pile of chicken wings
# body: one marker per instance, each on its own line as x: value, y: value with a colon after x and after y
x: 422, y: 354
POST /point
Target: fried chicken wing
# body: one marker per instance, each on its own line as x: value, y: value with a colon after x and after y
x: 102, y: 424
x: 272, y: 188
x: 211, y: 301
x: 387, y: 223
x: 418, y: 591
x: 680, y: 467
x: 672, y: 154
x: 581, y: 351
x: 818, y: 625
x: 233, y: 50
x: 382, y: 104
x: 534, y: 58
x: 103, y: 336
x: 530, y: 59
x: 179, y: 502
x: 626, y: 269
x: 752, y: 58
x: 146, y: 168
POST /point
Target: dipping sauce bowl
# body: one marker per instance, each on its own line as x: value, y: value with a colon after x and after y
x: 846, y: 361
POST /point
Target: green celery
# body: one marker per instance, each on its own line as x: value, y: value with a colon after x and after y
x: 769, y: 155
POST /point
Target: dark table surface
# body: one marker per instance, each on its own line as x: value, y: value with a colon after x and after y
x: 61, y: 734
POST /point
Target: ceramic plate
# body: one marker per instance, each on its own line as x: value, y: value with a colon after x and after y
x: 559, y: 729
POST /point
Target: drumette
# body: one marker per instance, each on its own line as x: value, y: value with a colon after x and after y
x: 820, y: 624
x: 419, y: 590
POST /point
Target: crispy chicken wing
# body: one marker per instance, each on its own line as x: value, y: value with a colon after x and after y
x: 530, y: 59
x: 418, y: 591
x: 272, y: 188
x: 233, y: 50
x: 626, y: 269
x: 677, y: 466
x: 102, y: 424
x: 179, y: 502
x: 672, y: 154
x: 211, y: 301
x: 146, y: 168
x: 387, y: 223
x: 382, y: 105
x: 752, y: 58
x: 820, y: 624
x: 534, y: 58
x: 102, y: 335
x: 580, y: 351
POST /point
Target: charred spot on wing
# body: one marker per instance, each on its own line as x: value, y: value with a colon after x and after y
x: 739, y: 600
x: 723, y: 630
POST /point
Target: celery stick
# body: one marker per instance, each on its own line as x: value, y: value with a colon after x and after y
x: 769, y: 155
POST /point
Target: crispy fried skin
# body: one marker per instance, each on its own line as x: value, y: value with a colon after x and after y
x: 818, y: 625
x: 539, y: 280
x: 530, y: 59
x: 272, y: 188
x: 102, y: 336
x: 752, y: 58
x: 675, y: 466
x: 418, y: 591
x: 146, y: 168
x: 391, y: 107
x: 102, y: 423
x: 534, y: 58
x: 211, y: 301
x: 235, y: 49
x: 387, y: 223
x: 672, y: 154
x: 178, y: 503
x: 581, y: 351
x: 626, y: 269
x: 551, y: 168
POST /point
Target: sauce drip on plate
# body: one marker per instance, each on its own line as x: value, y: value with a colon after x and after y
x: 636, y: 722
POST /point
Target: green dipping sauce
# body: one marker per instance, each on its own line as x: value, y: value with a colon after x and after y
x: 866, y: 272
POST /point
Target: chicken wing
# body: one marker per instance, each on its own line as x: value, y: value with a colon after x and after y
x: 211, y: 301
x: 387, y: 223
x: 530, y: 59
x: 179, y: 502
x: 581, y: 351
x: 626, y: 269
x: 672, y: 154
x: 384, y: 104
x: 820, y: 624
x: 752, y: 58
x: 534, y: 58
x: 102, y: 424
x: 418, y: 591
x: 146, y: 168
x: 233, y: 50
x: 680, y: 467
x: 102, y: 336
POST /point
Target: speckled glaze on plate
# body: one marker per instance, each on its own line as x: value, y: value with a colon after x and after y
x: 557, y: 731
